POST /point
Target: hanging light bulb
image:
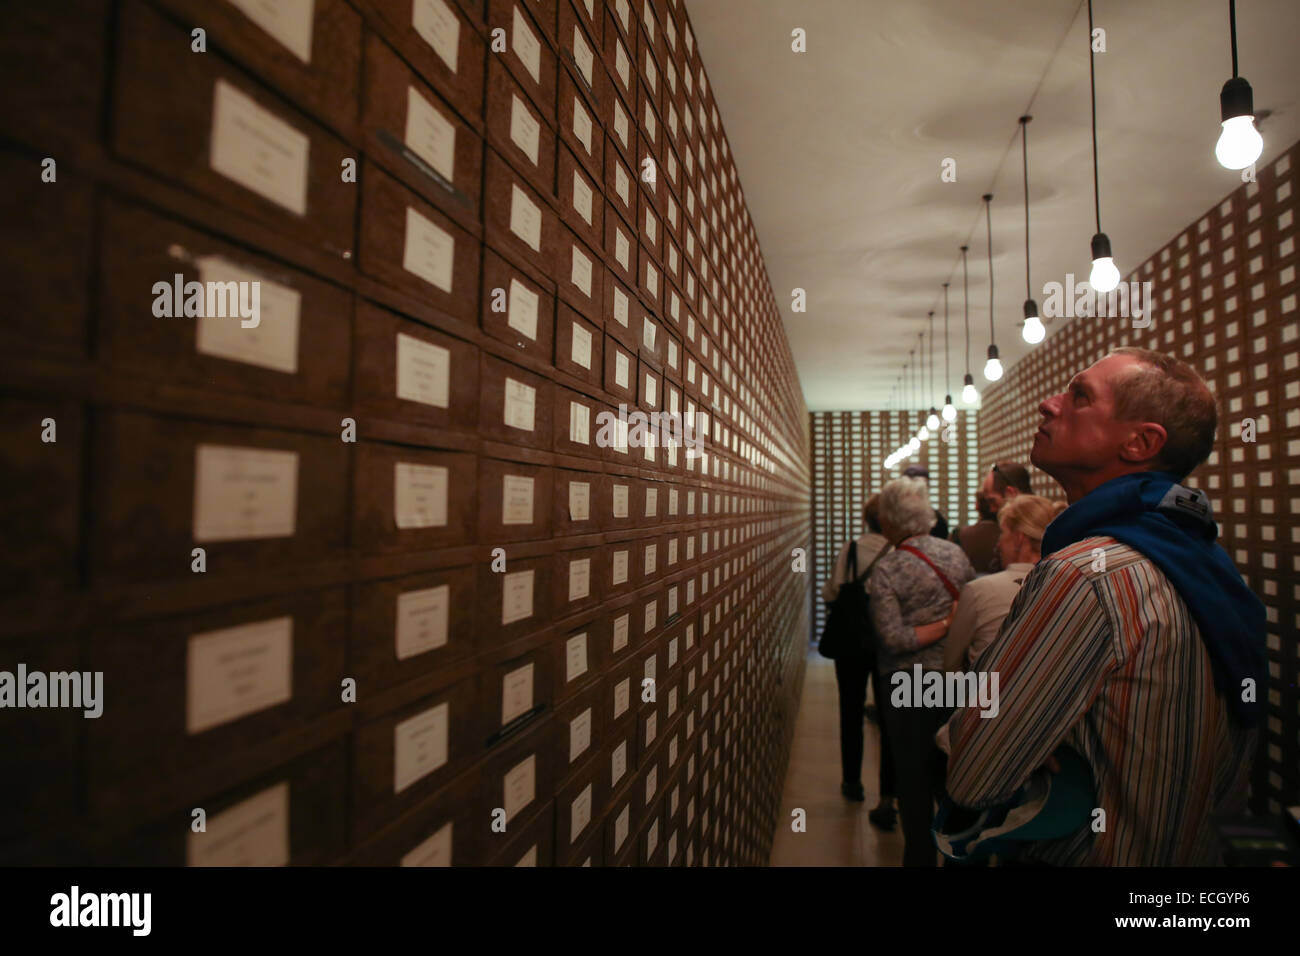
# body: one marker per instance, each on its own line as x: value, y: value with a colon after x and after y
x: 1033, y: 331
x: 1239, y: 143
x: 993, y: 367
x: 923, y: 434
x: 914, y: 445
x: 1104, y: 276
x: 932, y: 422
x: 968, y: 393
x: 949, y: 409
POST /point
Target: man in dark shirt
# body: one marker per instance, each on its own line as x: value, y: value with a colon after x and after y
x: 1005, y: 480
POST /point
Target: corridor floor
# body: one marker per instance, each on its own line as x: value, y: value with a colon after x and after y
x: 837, y: 831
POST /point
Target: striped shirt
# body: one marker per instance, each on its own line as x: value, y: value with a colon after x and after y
x: 1100, y: 653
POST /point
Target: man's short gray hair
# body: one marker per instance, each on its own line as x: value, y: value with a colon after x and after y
x: 905, y: 504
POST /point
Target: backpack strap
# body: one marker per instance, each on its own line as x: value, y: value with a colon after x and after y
x: 952, y: 589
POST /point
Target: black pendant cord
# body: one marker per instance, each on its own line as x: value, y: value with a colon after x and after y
x: 1092, y: 81
x: 988, y: 209
x: 920, y: 375
x: 931, y: 360
x: 1024, y: 154
x: 1232, y: 26
x: 965, y: 304
x: 947, y: 382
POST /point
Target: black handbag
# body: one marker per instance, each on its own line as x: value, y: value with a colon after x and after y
x: 848, y: 635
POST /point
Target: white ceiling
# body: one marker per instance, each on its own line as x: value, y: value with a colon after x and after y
x: 839, y: 149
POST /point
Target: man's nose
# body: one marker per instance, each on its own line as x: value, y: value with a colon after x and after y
x: 1050, y: 407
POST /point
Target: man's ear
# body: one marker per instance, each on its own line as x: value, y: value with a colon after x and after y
x: 1143, y: 444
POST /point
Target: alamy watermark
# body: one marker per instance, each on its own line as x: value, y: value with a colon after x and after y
x: 211, y: 299
x: 953, y: 689
x: 638, y: 429
x: 1128, y: 300
x: 36, y: 689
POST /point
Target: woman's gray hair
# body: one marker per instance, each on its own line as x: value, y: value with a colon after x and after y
x: 905, y: 504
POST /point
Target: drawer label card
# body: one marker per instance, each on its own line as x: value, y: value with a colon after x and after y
x: 622, y: 697
x: 622, y: 368
x: 520, y: 786
x: 651, y: 550
x: 520, y: 405
x: 579, y: 579
x: 522, y: 310
x: 618, y: 763
x: 621, y: 127
x: 651, y: 390
x: 237, y: 671
x: 582, y: 197
x: 244, y: 493
x: 516, y: 693
x: 622, y: 64
x: 575, y: 657
x: 620, y: 568
x: 423, y: 371
x: 422, y: 618
x: 525, y: 130
x: 620, y: 307
x: 579, y: 423
x: 526, y: 46
x: 419, y: 495
x: 580, y: 814
x: 580, y: 274
x: 430, y: 135
x: 516, y: 597
x: 581, y: 348
x: 439, y: 27
x: 429, y: 250
x: 622, y: 249
x: 525, y: 218
x: 651, y: 502
x: 579, y: 501
x: 288, y: 21
x: 620, y: 501
x: 270, y: 340
x: 621, y: 825
x: 254, y: 832
x: 420, y: 745
x: 621, y: 632
x: 583, y: 56
x: 622, y: 185
x: 582, y: 125
x: 579, y: 735
x: 257, y: 149
x: 516, y: 500
x: 435, y: 851
x: 649, y: 332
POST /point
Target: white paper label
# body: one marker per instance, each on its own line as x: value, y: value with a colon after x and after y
x: 620, y: 827
x: 579, y: 735
x: 522, y: 310
x: 238, y: 671
x: 619, y: 575
x: 270, y: 340
x: 651, y: 278
x: 621, y: 627
x: 288, y: 21
x: 519, y: 786
x: 618, y: 763
x: 580, y: 813
x: 622, y: 697
x: 525, y: 130
x: 651, y: 502
x: 419, y: 746
x: 621, y: 125
x: 622, y: 369
x: 516, y: 693
x: 254, y: 832
x: 582, y: 197
x: 651, y: 390
x: 651, y: 126
x: 672, y: 502
x: 651, y: 615
x: 651, y: 226
x: 575, y: 656
x: 257, y: 149
x: 520, y: 403
x: 580, y: 274
x: 525, y: 218
x: 423, y: 371
x: 516, y: 596
x: 651, y: 553
x: 516, y: 500
x: 429, y: 250
x: 582, y: 125
x: 622, y: 185
x: 581, y: 349
x: 672, y: 548
x: 672, y: 355
x: 620, y: 501
x: 435, y: 851
x: 622, y: 64
x: 579, y: 423
x: 620, y: 307
x: 583, y: 55
x: 244, y: 493
x: 439, y: 27
x: 579, y: 501
x: 526, y: 46
x: 430, y: 135
x: 579, y: 579
x: 651, y: 74
x: 422, y: 620
x: 419, y: 495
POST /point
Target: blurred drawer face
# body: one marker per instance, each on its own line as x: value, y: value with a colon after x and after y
x: 577, y: 505
x: 444, y: 831
x: 529, y: 53
x: 407, y: 627
x: 410, y: 499
x: 579, y: 580
x: 619, y: 822
x: 620, y: 697
x: 167, y: 486
x: 516, y: 310
x: 441, y: 44
x: 515, y: 406
x: 199, y: 120
x: 579, y: 345
x: 202, y: 689
x: 408, y: 244
x: 518, y: 130
x: 516, y: 597
x: 421, y: 139
x: 402, y: 758
x: 292, y: 816
x: 230, y: 319
x: 517, y: 776
x: 577, y: 807
x: 514, y: 502
x: 531, y: 845
x: 408, y: 372
x: 324, y: 38
x: 42, y: 490
x: 580, y: 271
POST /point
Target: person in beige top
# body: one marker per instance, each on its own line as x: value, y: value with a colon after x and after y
x: 984, y: 602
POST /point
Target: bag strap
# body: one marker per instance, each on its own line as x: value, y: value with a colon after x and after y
x: 852, y: 568
x: 853, y: 556
x: 952, y: 590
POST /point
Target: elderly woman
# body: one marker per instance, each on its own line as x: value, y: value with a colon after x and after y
x: 984, y: 602
x: 915, y: 584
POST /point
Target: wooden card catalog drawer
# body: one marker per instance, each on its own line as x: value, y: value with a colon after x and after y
x: 311, y: 52
x: 192, y: 694
x: 577, y: 424
x: 620, y: 823
x: 418, y: 624
x: 620, y: 371
x: 581, y: 652
x: 650, y: 384
x: 218, y: 316
x: 254, y: 499
x: 518, y: 777
x: 400, y: 759
x: 621, y: 251
x: 578, y: 823
x: 410, y: 499
x: 514, y: 501
x: 580, y: 577
x: 530, y: 844
x: 419, y: 137
x: 620, y: 58
x: 408, y: 244
x: 580, y: 49
x: 530, y: 54
x: 444, y: 830
x: 652, y: 848
x: 578, y: 503
x: 440, y: 42
x: 580, y: 272
x: 581, y: 198
x: 516, y: 309
x: 581, y: 122
x: 518, y: 692
x: 408, y: 372
x: 518, y: 130
x: 521, y: 224
x: 579, y: 345
x: 623, y: 313
x: 200, y: 120
x: 650, y: 280
x: 515, y: 406
x: 515, y: 601
x: 621, y: 191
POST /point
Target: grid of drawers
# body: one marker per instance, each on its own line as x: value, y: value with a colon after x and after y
x: 1226, y: 303
x: 370, y: 586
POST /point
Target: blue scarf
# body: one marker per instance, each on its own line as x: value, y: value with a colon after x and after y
x: 1172, y: 526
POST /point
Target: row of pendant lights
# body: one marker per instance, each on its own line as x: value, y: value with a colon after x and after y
x: 1238, y: 147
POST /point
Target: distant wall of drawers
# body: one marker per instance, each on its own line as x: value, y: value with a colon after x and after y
x: 1226, y: 303
x: 376, y: 577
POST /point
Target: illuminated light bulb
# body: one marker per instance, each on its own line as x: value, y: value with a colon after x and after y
x: 993, y: 367
x: 932, y: 422
x: 1239, y: 144
x: 923, y: 434
x: 914, y: 445
x: 1033, y: 331
x: 1104, y: 276
x: 949, y: 409
x: 968, y: 393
